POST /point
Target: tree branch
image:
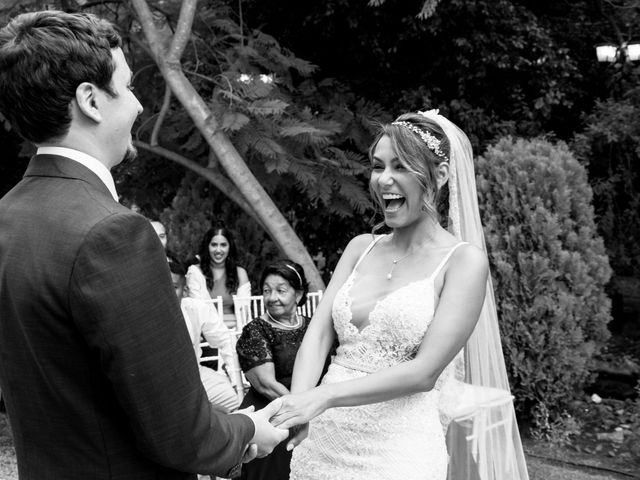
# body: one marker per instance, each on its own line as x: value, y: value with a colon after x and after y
x: 161, y: 115
x: 183, y: 30
x: 145, y: 17
x: 261, y: 205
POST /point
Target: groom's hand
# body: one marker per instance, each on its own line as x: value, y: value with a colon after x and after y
x: 251, y: 451
x: 299, y: 433
x: 267, y: 436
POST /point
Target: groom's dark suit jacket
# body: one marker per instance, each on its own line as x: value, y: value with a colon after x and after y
x: 96, y: 367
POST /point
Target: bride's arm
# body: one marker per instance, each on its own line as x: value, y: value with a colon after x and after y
x: 454, y: 320
x: 320, y: 335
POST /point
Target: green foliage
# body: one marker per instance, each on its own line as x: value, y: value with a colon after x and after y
x: 298, y: 136
x: 495, y: 67
x: 549, y: 269
x: 428, y: 7
x: 609, y: 146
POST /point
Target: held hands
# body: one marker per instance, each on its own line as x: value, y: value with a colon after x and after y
x: 251, y: 451
x: 266, y: 435
x: 296, y: 410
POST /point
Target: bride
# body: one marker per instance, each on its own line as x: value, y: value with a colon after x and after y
x: 415, y: 321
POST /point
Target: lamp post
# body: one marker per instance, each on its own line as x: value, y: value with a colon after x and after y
x: 620, y: 56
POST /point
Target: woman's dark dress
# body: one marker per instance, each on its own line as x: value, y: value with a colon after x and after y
x: 261, y: 343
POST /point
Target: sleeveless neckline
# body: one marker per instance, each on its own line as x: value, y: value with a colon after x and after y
x: 428, y: 280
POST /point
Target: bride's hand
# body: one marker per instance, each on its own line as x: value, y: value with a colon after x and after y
x: 299, y: 408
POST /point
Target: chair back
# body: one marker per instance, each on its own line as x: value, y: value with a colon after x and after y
x: 247, y: 308
x: 208, y: 351
x: 232, y: 371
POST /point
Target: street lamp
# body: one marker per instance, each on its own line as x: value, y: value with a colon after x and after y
x: 606, y: 53
x: 610, y: 53
x: 633, y: 51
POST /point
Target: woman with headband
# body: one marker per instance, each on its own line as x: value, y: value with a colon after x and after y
x: 267, y: 349
x: 418, y: 342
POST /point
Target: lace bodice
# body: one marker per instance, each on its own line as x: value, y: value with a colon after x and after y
x: 397, y: 324
x: 399, y: 438
x: 395, y: 330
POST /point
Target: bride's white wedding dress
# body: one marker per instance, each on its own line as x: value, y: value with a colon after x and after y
x: 402, y: 438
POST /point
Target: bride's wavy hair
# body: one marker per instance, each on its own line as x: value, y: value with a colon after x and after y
x: 418, y: 158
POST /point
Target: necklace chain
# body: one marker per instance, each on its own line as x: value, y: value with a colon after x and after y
x: 285, y: 325
x: 394, y: 263
x: 398, y: 260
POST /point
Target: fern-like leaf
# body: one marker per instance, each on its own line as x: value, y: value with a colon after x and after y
x: 267, y: 107
x: 234, y: 120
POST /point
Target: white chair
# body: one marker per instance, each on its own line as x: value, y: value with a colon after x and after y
x: 217, y: 303
x: 233, y: 372
x: 246, y: 309
x: 313, y: 299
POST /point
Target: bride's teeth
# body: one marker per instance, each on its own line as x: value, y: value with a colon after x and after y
x: 393, y: 201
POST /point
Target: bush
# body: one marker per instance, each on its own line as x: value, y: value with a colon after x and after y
x: 549, y: 268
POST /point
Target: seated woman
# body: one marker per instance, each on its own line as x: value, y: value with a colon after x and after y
x: 203, y: 322
x: 217, y: 272
x: 266, y: 351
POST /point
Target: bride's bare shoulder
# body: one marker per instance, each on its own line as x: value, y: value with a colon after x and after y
x: 359, y: 243
x: 469, y: 258
x: 356, y: 247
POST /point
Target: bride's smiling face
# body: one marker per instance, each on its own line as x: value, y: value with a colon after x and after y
x: 397, y: 188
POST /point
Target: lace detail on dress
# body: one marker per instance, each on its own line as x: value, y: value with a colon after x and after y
x: 395, y: 330
x: 401, y: 438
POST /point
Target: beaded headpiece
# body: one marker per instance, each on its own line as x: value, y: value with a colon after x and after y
x: 432, y: 142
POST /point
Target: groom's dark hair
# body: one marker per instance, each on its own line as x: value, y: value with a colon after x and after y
x: 44, y: 56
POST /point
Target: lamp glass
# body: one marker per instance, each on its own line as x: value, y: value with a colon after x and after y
x: 606, y: 53
x: 633, y: 51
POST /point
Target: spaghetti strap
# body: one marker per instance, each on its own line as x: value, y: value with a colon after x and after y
x: 367, y: 250
x: 445, y: 259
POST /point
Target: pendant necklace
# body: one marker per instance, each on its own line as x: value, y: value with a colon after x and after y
x: 393, y: 265
x: 286, y: 326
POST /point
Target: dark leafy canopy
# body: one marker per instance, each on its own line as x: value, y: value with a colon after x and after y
x: 280, y: 122
x: 610, y: 146
x: 494, y: 66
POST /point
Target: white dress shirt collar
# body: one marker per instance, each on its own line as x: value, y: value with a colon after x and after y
x: 92, y: 163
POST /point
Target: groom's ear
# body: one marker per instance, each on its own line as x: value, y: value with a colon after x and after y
x: 87, y: 101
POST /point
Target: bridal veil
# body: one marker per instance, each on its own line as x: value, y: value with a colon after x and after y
x: 483, y: 437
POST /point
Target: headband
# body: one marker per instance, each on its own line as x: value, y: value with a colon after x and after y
x: 297, y: 274
x: 432, y: 142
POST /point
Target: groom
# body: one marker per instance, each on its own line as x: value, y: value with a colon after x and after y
x: 96, y: 366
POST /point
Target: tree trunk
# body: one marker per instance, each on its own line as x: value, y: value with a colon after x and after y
x: 265, y: 209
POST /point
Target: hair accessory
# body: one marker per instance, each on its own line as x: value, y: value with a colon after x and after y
x: 432, y: 142
x: 296, y: 272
